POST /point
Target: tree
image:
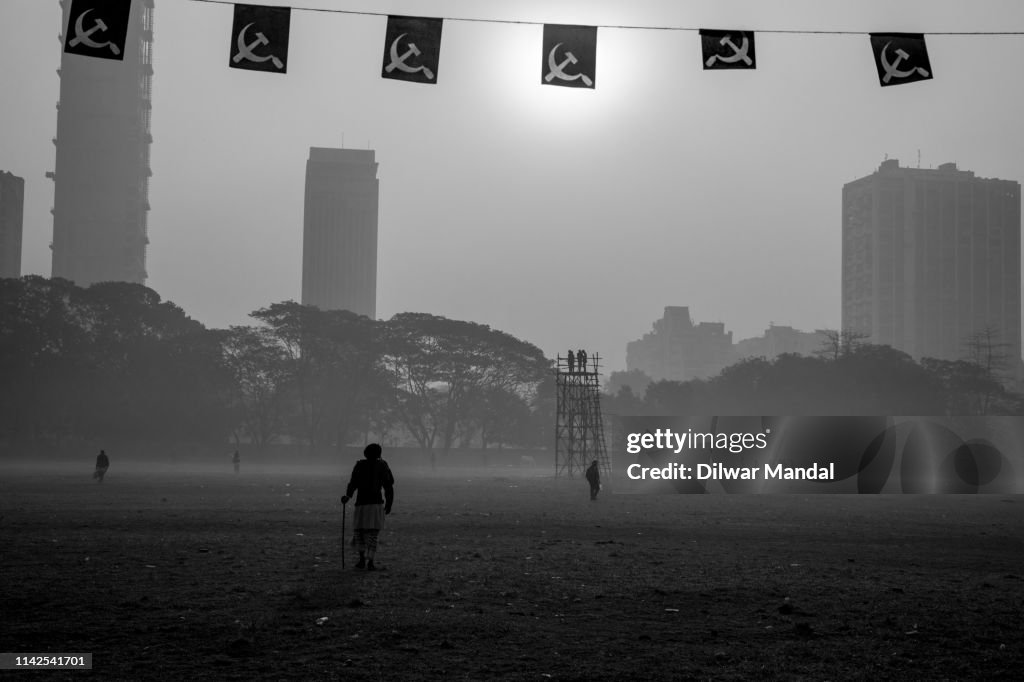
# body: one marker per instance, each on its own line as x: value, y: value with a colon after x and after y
x: 356, y: 388
x: 157, y: 374
x: 543, y: 411
x: 677, y: 397
x: 42, y: 359
x: 990, y: 355
x: 108, y: 361
x: 336, y: 368
x: 439, y: 367
x: 737, y: 387
x: 635, y: 379
x: 838, y: 343
x: 259, y: 364
x: 985, y: 349
x: 866, y: 380
x: 880, y: 380
x: 500, y: 417
x: 624, y: 403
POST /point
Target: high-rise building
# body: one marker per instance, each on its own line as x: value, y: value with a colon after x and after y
x: 676, y: 349
x: 101, y: 177
x: 339, y: 245
x: 12, y: 206
x: 931, y: 259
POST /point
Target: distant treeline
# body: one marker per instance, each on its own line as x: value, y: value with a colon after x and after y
x: 112, y: 362
x: 851, y: 378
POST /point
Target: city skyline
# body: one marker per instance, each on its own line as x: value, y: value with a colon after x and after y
x: 568, y: 218
x: 678, y: 349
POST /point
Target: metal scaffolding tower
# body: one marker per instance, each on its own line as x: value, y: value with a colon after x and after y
x: 579, y: 427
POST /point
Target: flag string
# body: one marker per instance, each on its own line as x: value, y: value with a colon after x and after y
x: 635, y: 27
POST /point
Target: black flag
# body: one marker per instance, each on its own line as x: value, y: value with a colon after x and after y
x: 570, y: 56
x: 727, y: 49
x: 412, y: 49
x: 259, y: 38
x: 900, y: 58
x: 97, y: 28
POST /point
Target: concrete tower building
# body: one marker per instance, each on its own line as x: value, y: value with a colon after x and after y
x: 339, y: 247
x: 12, y: 206
x: 931, y: 258
x: 101, y: 177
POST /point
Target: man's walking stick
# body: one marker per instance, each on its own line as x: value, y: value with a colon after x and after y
x: 343, y: 515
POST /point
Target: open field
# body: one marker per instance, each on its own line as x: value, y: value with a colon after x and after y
x: 492, y: 575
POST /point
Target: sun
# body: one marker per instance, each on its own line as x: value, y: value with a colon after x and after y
x: 513, y: 81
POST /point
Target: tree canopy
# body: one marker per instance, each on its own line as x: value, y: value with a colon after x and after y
x: 115, y: 362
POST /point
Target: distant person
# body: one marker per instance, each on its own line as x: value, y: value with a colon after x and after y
x: 571, y: 360
x: 594, y: 479
x: 236, y: 459
x: 581, y: 360
x: 102, y: 464
x: 370, y: 476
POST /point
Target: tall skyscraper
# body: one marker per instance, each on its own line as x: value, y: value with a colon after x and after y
x: 101, y: 178
x: 339, y: 244
x: 12, y: 206
x: 931, y: 258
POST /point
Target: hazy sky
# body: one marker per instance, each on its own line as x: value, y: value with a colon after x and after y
x: 565, y: 216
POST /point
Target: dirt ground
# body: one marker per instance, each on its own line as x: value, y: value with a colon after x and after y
x: 178, y: 575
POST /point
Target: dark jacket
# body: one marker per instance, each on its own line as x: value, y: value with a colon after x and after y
x: 369, y: 476
x: 593, y: 475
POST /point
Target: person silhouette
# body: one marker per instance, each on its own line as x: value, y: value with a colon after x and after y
x: 594, y: 479
x: 369, y: 476
x: 102, y: 464
x: 581, y: 360
x: 570, y: 359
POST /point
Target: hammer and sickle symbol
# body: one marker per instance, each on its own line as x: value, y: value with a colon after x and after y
x: 245, y: 50
x: 738, y: 53
x: 892, y: 69
x: 84, y: 37
x: 558, y: 70
x: 398, y: 60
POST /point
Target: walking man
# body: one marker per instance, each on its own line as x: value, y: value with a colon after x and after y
x: 370, y: 476
x: 102, y: 464
x: 594, y: 479
x: 236, y: 459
